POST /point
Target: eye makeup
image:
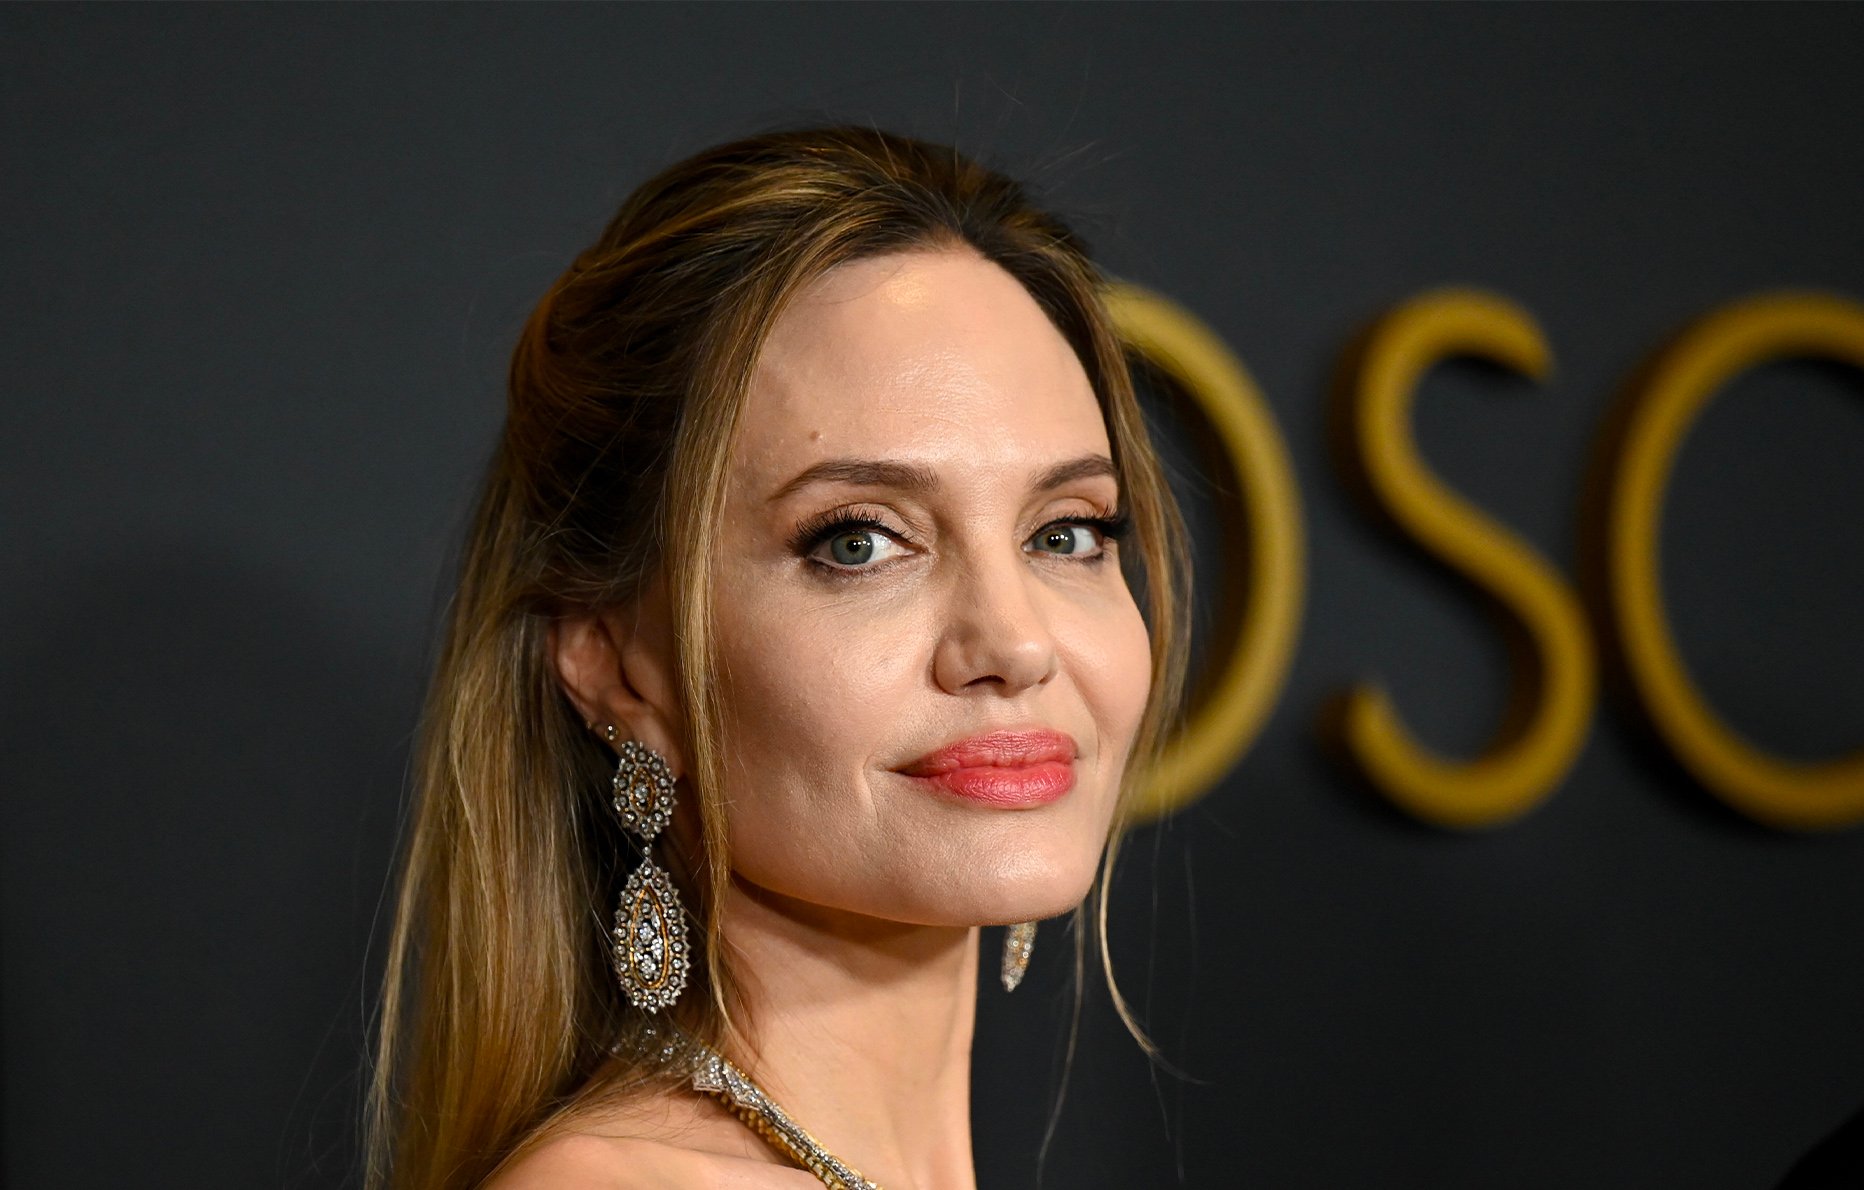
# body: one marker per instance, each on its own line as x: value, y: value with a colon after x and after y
x: 815, y: 531
x: 819, y: 528
x: 1113, y: 527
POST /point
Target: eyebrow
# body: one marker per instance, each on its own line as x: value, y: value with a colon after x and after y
x: 915, y: 477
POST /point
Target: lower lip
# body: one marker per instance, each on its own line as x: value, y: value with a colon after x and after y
x: 1007, y: 785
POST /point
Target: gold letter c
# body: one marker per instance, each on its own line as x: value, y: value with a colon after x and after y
x: 1710, y: 353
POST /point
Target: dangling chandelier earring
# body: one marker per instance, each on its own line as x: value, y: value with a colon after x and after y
x: 1019, y: 942
x: 651, y: 952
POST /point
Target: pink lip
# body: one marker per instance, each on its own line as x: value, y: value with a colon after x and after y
x: 1001, y: 768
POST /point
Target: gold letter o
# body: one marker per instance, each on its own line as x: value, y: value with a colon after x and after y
x: 1240, y: 689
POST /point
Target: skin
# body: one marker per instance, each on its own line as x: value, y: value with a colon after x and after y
x: 981, y: 604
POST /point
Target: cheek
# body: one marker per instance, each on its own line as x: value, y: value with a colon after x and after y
x: 1113, y: 661
x: 808, y: 693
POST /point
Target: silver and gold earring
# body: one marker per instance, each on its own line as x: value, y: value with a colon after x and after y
x: 1019, y: 942
x: 652, y: 955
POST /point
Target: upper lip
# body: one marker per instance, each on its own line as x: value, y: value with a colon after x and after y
x: 996, y: 748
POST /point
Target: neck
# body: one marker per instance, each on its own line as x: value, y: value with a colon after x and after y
x: 861, y: 1029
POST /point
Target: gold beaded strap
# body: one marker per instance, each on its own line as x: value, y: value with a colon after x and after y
x: 719, y: 1078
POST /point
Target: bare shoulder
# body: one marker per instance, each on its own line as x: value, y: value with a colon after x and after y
x: 661, y: 1141
x: 585, y: 1162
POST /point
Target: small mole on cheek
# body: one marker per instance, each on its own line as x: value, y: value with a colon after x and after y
x: 815, y: 435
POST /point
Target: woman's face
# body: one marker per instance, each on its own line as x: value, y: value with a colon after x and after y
x: 910, y: 561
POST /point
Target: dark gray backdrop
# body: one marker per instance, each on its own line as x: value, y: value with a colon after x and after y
x: 261, y: 270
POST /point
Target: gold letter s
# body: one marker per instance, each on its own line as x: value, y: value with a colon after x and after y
x: 1555, y: 687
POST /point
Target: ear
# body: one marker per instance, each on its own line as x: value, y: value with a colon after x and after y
x: 617, y: 666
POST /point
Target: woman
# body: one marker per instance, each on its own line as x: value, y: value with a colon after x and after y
x: 793, y: 643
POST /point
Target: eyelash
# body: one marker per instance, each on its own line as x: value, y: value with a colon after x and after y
x: 812, y: 533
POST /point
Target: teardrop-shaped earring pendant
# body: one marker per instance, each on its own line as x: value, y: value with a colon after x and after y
x: 651, y: 951
x: 652, y: 954
x: 1019, y: 942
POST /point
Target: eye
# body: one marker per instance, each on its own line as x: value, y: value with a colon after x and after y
x: 1065, y: 538
x: 851, y: 543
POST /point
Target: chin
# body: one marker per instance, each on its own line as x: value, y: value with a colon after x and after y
x: 1032, y: 884
x: 996, y: 888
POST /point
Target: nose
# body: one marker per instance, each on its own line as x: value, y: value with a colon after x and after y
x: 997, y: 636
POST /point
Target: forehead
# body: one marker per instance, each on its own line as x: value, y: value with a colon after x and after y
x: 937, y: 356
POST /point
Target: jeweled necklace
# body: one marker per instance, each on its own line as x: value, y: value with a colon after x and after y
x: 714, y: 1075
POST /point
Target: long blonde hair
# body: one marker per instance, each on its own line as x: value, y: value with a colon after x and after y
x: 500, y: 1019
